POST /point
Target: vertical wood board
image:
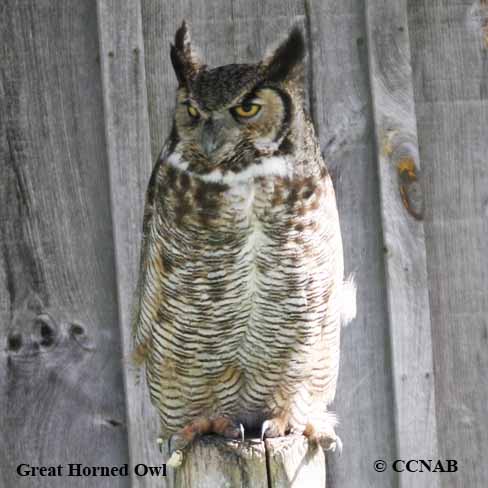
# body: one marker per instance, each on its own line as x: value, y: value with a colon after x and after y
x: 403, y: 234
x: 450, y: 66
x: 127, y: 133
x: 61, y: 391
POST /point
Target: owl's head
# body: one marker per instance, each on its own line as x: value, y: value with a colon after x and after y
x: 228, y: 116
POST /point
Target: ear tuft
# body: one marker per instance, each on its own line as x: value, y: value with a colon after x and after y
x: 182, y: 36
x: 186, y: 62
x: 282, y: 61
x: 178, y: 64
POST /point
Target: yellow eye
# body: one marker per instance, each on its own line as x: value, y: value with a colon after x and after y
x: 193, y: 112
x: 246, y: 110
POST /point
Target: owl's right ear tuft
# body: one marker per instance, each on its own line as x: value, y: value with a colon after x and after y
x: 178, y: 64
x: 185, y: 60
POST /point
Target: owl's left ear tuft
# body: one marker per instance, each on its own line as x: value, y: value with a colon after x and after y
x: 185, y: 60
x: 183, y: 37
x: 281, y: 63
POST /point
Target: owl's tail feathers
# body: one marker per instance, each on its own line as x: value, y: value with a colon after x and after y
x: 348, y: 300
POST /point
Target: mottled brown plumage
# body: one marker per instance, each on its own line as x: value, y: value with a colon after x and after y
x: 241, y: 285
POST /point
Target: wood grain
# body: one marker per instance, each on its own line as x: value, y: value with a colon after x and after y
x: 213, y: 461
x: 342, y: 111
x: 61, y: 390
x: 286, y: 462
x: 129, y: 161
x: 292, y: 463
x: 450, y: 64
x: 403, y: 234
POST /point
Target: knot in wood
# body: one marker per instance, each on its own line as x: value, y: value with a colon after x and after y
x: 409, y: 187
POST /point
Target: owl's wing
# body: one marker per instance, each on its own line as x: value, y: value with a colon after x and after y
x: 145, y: 292
x: 340, y: 297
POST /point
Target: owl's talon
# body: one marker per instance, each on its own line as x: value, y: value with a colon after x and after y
x: 332, y: 444
x: 274, y: 427
x: 241, y: 428
x: 266, y: 425
x: 324, y: 434
x: 160, y: 442
x: 176, y: 459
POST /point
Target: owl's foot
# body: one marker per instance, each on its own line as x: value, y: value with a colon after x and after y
x: 327, y: 438
x: 275, y: 427
x: 182, y: 439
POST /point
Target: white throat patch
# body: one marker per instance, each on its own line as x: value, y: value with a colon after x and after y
x: 268, y: 166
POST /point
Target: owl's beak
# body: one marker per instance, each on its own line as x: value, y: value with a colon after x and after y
x: 210, y: 135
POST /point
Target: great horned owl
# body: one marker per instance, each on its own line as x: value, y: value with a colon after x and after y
x: 241, y: 286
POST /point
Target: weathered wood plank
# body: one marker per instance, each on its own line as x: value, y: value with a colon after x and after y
x: 61, y: 390
x: 127, y: 133
x: 342, y: 111
x: 450, y: 64
x: 403, y: 234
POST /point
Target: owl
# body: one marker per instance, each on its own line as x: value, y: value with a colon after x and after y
x: 241, y: 289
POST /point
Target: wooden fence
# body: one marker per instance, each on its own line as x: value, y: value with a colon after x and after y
x: 399, y: 94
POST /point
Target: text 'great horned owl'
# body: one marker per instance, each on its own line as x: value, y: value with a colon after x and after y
x: 241, y: 286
